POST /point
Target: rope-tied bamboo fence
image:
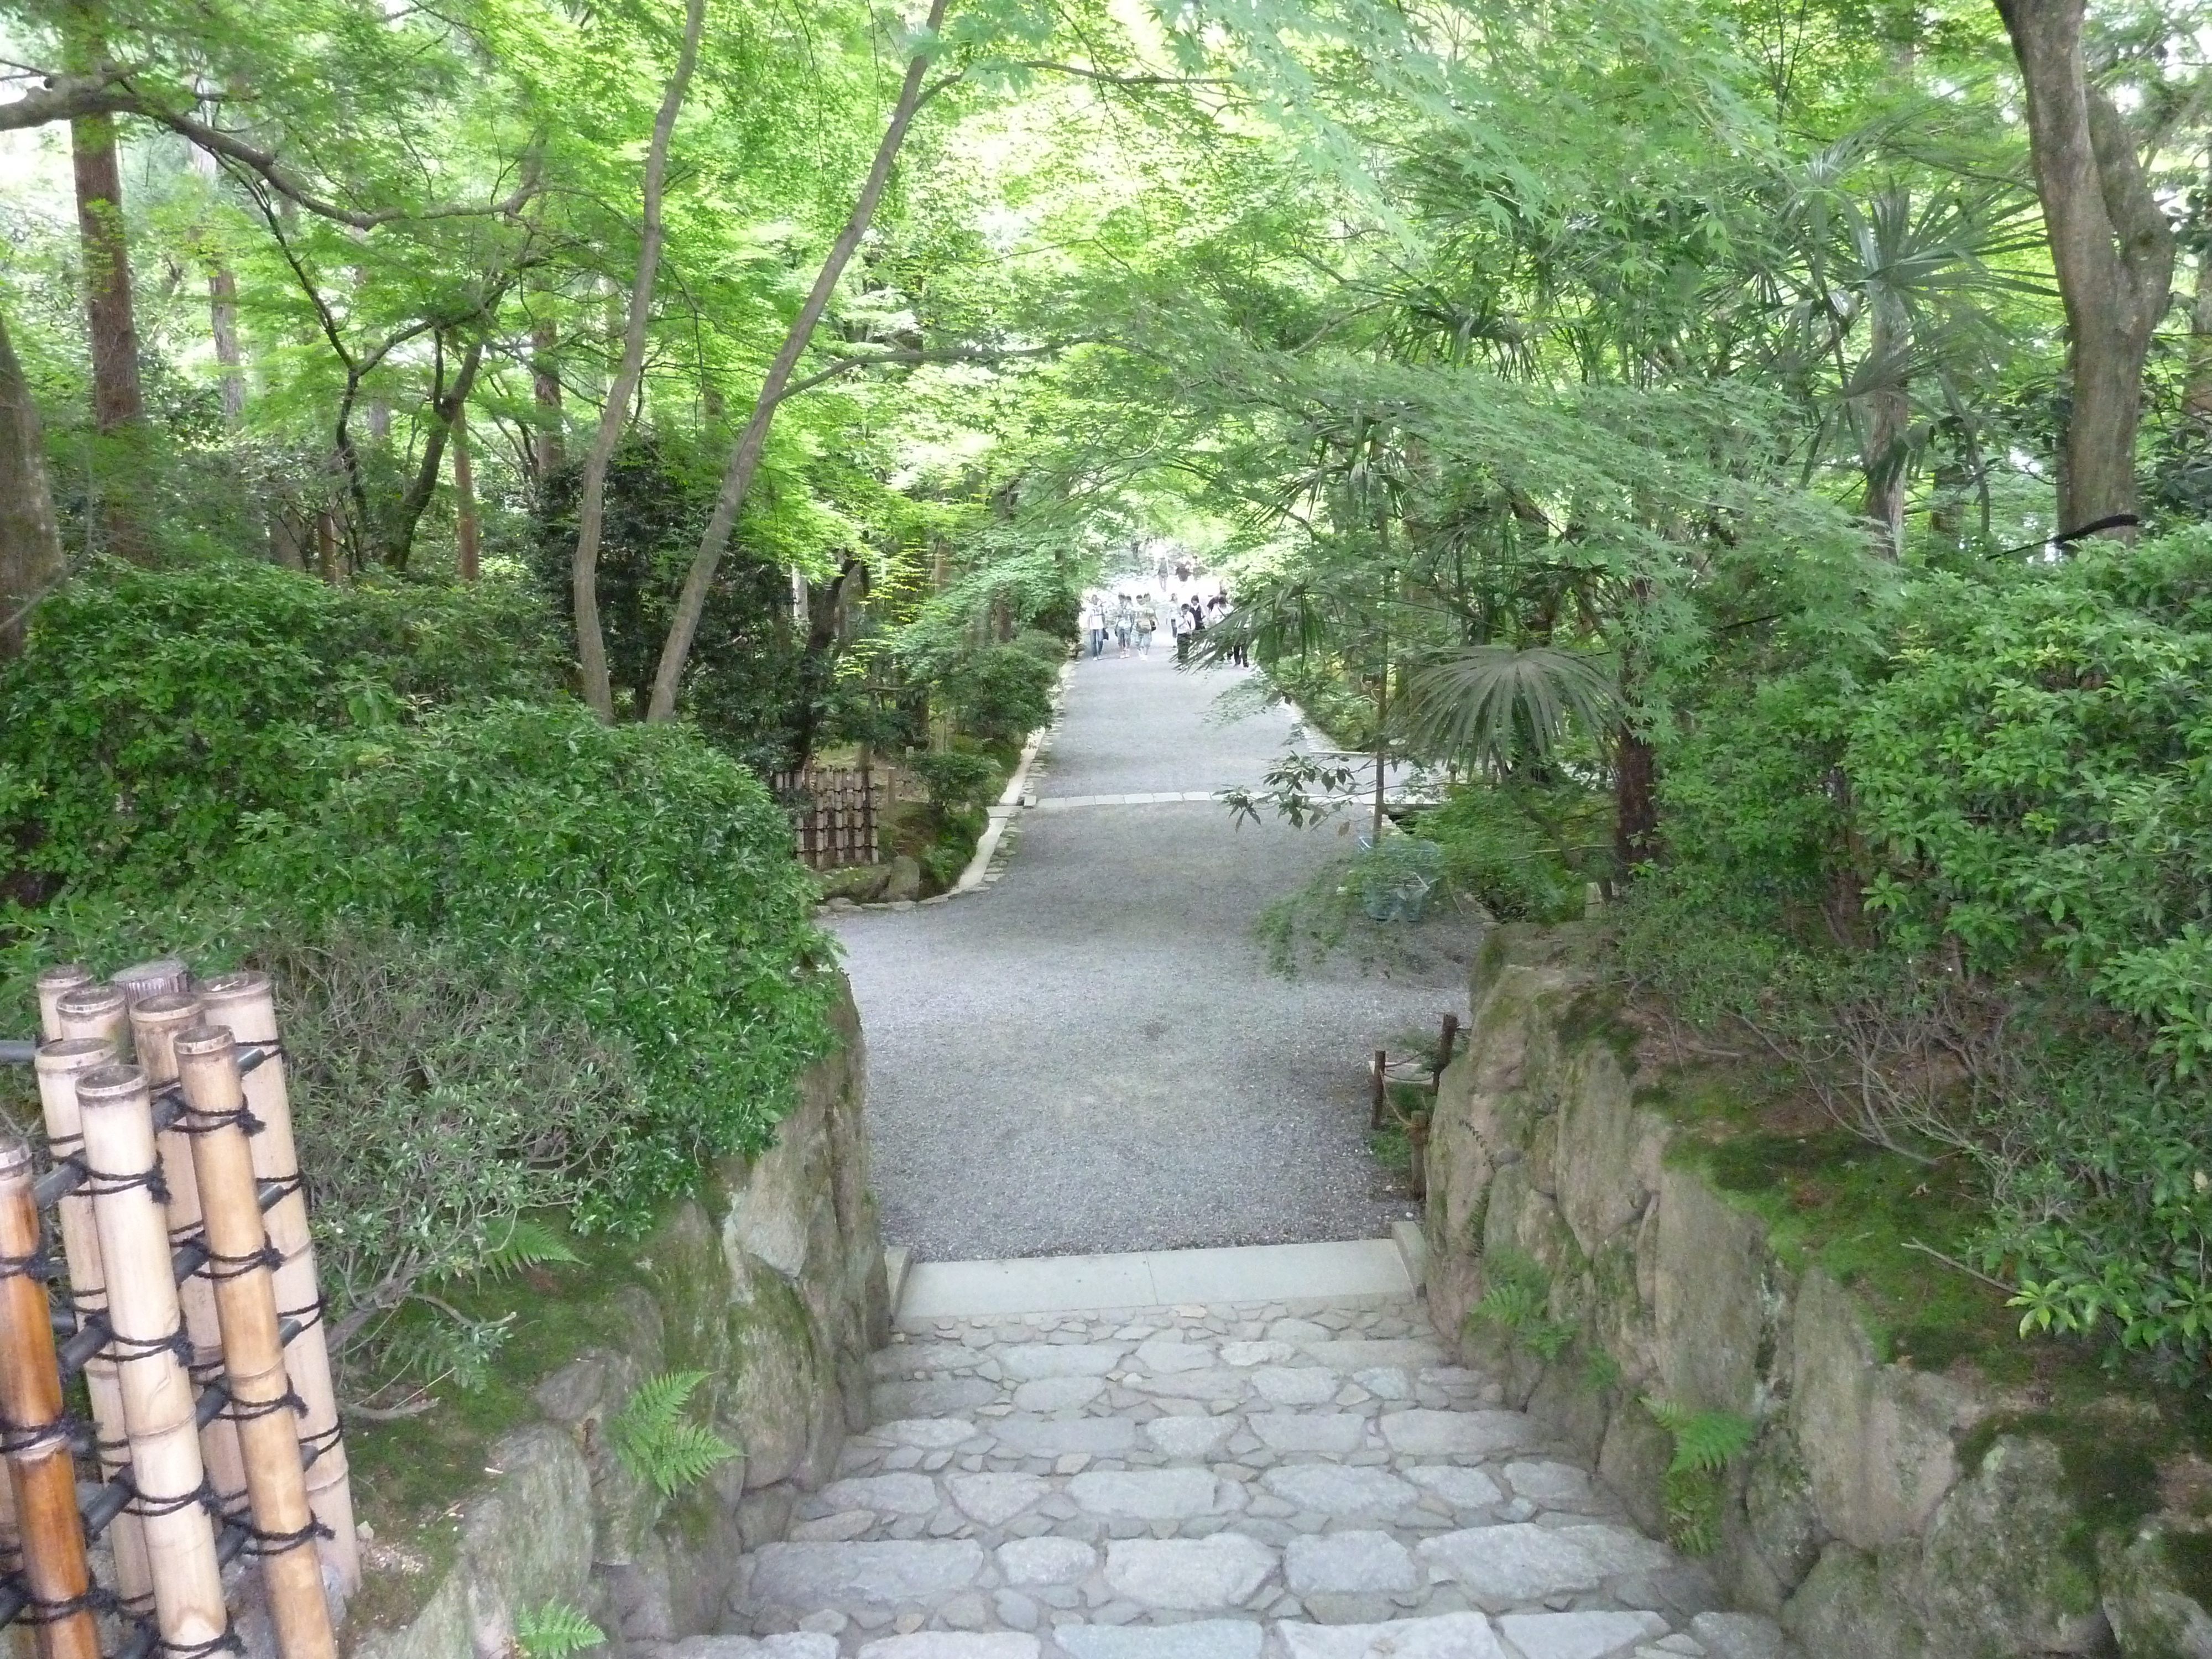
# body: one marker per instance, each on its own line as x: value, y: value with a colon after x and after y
x: 185, y: 1288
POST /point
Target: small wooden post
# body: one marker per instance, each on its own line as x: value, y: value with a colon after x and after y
x: 60, y: 1064
x: 245, y: 1003
x: 1379, y: 1108
x: 253, y: 1350
x: 1446, y: 1039
x: 154, y: 1023
x: 54, y: 984
x: 1417, y: 1143
x: 39, y: 1473
x: 158, y: 1404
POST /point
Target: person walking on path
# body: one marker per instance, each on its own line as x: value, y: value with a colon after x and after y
x: 1094, y: 623
x: 1125, y: 624
x: 1147, y: 622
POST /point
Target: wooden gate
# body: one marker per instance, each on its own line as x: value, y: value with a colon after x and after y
x: 836, y: 814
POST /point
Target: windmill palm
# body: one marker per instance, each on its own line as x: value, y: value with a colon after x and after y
x: 1499, y: 705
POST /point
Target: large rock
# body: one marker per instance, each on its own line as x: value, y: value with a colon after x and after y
x: 1877, y: 1440
x: 1844, y: 1610
x: 1188, y: 1575
x: 810, y: 1577
x: 1337, y: 1489
x: 1606, y: 1164
x: 1046, y: 1561
x: 1998, y: 1574
x: 1578, y: 1635
x: 1448, y: 1635
x: 1434, y: 1433
x: 1511, y: 1565
x: 902, y: 882
x: 1196, y: 1638
x: 1151, y: 1494
x: 1709, y: 1311
x: 1348, y: 1564
x: 2151, y: 1614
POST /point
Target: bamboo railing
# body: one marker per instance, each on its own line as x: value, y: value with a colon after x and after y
x: 185, y: 1286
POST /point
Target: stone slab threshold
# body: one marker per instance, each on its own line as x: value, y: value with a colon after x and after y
x: 1345, y: 1271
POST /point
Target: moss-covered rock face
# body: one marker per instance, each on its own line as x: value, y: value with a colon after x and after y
x: 1888, y: 1508
x: 771, y: 1284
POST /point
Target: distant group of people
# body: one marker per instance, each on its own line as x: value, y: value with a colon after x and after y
x: 1129, y: 622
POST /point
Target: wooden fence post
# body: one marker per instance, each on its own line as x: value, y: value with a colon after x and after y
x: 158, y: 1404
x: 244, y: 1002
x: 1378, y: 1106
x: 261, y: 1394
x: 154, y: 1023
x: 60, y: 1064
x: 39, y: 1473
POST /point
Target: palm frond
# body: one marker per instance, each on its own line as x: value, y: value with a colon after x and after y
x: 1487, y: 702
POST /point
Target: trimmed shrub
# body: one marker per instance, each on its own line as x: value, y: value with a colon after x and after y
x: 154, y: 710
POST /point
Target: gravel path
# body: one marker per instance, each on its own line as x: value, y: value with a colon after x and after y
x: 1092, y: 1055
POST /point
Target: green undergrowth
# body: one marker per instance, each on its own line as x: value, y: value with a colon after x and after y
x: 412, y: 1475
x: 1870, y: 1219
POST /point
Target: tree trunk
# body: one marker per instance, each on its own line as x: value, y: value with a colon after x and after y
x: 465, y: 499
x: 222, y: 301
x: 552, y: 449
x: 1635, y: 802
x: 326, y: 547
x: 2197, y: 391
x: 417, y: 502
x: 30, y: 546
x: 614, y: 415
x: 744, y: 459
x: 110, y: 315
x: 2110, y: 244
x: 1889, y: 413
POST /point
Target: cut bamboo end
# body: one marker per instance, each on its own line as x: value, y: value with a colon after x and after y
x: 163, y: 977
x: 246, y: 1003
x: 94, y: 1011
x: 158, y: 1403
x: 253, y: 1347
x: 41, y: 1481
x: 53, y: 984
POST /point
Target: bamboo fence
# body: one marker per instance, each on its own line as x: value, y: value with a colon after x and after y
x: 838, y: 814
x: 185, y: 1288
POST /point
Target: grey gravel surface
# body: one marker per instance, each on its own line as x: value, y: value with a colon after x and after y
x: 1092, y: 1055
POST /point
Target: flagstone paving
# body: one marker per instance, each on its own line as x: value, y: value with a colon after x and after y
x: 1297, y: 1480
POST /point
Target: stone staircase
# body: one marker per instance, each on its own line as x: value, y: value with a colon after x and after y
x: 1292, y: 1481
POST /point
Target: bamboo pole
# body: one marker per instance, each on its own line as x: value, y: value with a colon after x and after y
x: 154, y: 1023
x: 40, y: 1476
x: 162, y: 977
x: 261, y: 1394
x: 247, y: 1005
x: 157, y: 1393
x: 60, y: 1064
x: 94, y: 1011
x: 55, y: 983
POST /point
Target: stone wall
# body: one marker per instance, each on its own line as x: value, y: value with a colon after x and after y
x: 1881, y: 1512
x: 773, y: 1283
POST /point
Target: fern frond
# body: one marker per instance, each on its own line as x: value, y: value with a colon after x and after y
x: 553, y: 1631
x: 526, y: 1244
x: 654, y: 1442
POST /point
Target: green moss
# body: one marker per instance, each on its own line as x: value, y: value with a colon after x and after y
x: 410, y: 1477
x: 2189, y: 1558
x: 1593, y: 1016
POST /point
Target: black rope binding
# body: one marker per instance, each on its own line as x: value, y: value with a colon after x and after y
x: 104, y: 1183
x: 153, y: 1509
x: 241, y: 1414
x: 221, y: 1266
x: 229, y: 1642
x: 309, y: 1316
x: 14, y: 1439
x: 97, y: 1599
x: 276, y: 1543
x: 207, y: 1123
x: 175, y: 1344
x: 33, y: 1265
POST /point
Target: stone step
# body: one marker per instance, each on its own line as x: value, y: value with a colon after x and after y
x: 1573, y: 1635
